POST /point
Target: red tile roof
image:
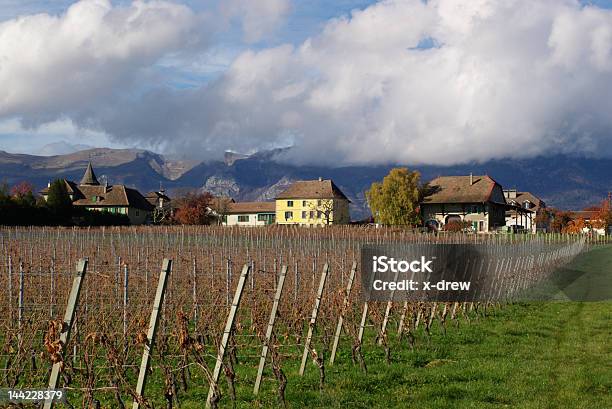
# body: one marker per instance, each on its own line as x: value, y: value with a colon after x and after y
x: 312, y: 189
x: 457, y: 189
x: 251, y: 207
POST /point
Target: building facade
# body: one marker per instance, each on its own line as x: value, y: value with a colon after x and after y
x: 475, y: 203
x: 249, y: 214
x: 523, y: 211
x: 116, y: 199
x: 312, y: 203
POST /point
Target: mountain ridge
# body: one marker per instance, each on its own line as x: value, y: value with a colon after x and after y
x: 561, y: 180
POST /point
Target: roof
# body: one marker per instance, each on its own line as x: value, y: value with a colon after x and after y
x: 521, y: 197
x: 70, y: 187
x: 221, y: 203
x: 153, y: 197
x: 583, y: 214
x: 116, y: 195
x: 251, y: 207
x: 89, y: 178
x: 457, y: 189
x: 312, y: 189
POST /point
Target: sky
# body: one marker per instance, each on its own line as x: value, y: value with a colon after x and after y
x: 342, y: 82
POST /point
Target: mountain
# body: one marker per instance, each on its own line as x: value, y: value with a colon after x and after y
x: 61, y: 148
x: 562, y: 181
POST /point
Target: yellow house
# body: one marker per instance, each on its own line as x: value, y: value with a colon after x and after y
x: 311, y: 203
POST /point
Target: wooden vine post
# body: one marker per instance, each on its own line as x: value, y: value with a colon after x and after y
x: 345, y: 305
x: 153, y: 321
x: 264, y: 351
x: 313, y: 318
x: 73, y: 301
x: 400, y: 326
x: 364, y: 314
x: 383, y: 328
x: 229, y: 327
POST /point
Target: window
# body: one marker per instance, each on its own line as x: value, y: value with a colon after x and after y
x: 289, y: 203
x: 243, y: 218
x: 94, y: 199
x: 474, y: 209
x: 304, y: 203
x: 224, y: 218
x: 304, y: 214
x: 268, y: 218
x: 312, y: 214
x: 319, y: 202
x: 288, y: 215
x: 137, y: 212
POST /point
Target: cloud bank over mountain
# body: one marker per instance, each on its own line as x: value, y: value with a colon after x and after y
x: 436, y: 82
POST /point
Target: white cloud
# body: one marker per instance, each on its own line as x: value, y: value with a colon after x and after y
x: 258, y: 17
x: 505, y: 79
x: 509, y: 79
x: 50, y: 65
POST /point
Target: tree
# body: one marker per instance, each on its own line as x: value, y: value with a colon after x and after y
x: 602, y: 216
x: 324, y: 209
x: 58, y: 199
x: 395, y: 200
x: 560, y: 220
x: 456, y: 226
x: 5, y: 198
x: 543, y: 218
x: 575, y: 226
x: 194, y: 209
x: 220, y: 206
x: 22, y: 194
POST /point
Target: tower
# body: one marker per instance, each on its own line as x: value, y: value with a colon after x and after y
x: 89, y: 178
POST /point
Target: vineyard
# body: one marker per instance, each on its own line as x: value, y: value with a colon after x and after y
x: 268, y: 300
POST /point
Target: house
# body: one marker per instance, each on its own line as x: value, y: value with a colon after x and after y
x: 248, y: 214
x: 118, y: 199
x: 311, y: 203
x: 592, y: 222
x: 516, y: 215
x: 162, y: 206
x: 478, y: 202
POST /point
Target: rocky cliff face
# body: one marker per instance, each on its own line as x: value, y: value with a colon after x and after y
x: 561, y: 181
x: 220, y: 186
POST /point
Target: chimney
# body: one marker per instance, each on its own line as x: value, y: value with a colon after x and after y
x: 471, y: 179
x: 320, y: 179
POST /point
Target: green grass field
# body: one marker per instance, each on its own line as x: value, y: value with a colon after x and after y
x: 524, y: 355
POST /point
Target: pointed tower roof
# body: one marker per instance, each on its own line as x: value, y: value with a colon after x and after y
x: 89, y: 178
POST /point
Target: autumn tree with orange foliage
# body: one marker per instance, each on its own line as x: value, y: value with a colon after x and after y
x: 194, y: 209
x: 560, y: 220
x: 575, y: 226
x: 602, y: 216
x: 456, y: 226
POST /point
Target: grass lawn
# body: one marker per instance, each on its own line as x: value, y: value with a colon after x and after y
x: 524, y: 355
x: 548, y: 355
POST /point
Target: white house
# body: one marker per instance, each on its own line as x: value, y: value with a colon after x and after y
x: 249, y: 214
x: 523, y: 209
x: 477, y: 202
